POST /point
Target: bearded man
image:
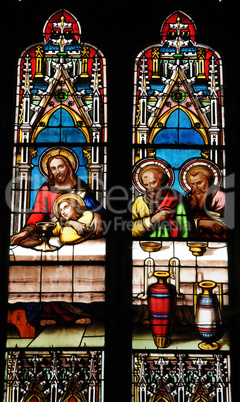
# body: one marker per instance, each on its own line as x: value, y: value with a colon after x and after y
x: 160, y: 211
x: 61, y: 180
x: 207, y: 203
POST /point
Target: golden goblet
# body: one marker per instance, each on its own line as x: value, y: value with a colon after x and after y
x: 150, y: 246
x: 197, y: 248
x: 45, y: 228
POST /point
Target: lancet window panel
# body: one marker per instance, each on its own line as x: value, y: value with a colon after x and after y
x: 180, y: 268
x: 57, y: 255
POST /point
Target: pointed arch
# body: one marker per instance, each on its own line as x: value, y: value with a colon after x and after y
x: 172, y: 18
x: 69, y: 17
x: 161, y: 399
x: 34, y: 398
x: 74, y: 398
x: 78, y: 122
x: 162, y: 394
x: 195, y: 122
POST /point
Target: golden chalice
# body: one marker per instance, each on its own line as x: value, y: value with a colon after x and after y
x: 197, y: 248
x: 150, y: 246
x: 45, y: 228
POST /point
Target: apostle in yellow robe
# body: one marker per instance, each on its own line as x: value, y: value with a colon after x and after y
x: 160, y: 211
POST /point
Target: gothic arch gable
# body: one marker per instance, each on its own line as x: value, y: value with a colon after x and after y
x: 196, y: 124
x: 78, y: 122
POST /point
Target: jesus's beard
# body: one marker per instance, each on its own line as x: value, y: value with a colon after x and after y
x: 198, y: 199
x: 60, y: 178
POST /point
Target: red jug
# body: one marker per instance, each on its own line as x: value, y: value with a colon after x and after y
x: 162, y: 306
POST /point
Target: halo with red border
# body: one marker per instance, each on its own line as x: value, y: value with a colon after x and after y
x: 195, y: 163
x: 156, y: 162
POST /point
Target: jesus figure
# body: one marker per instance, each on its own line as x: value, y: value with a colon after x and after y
x: 61, y: 180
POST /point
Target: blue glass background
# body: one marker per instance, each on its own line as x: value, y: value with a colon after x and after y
x: 60, y: 128
x: 178, y: 130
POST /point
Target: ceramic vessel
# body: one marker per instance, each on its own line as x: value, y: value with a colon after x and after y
x: 162, y: 306
x: 208, y: 320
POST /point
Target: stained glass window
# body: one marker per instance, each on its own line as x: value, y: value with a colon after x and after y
x: 94, y: 291
x: 180, y: 271
x: 58, y: 211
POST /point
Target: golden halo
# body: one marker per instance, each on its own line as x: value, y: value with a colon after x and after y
x: 143, y: 164
x: 55, y: 151
x: 197, y: 164
x: 152, y: 166
x: 63, y: 197
x: 199, y: 168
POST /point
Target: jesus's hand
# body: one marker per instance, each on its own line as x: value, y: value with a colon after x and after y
x: 96, y: 225
x: 16, y: 239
